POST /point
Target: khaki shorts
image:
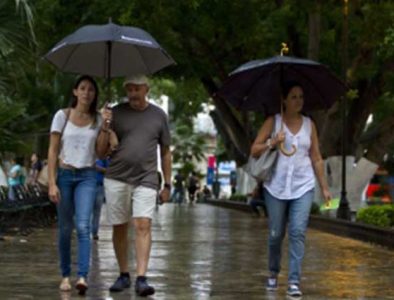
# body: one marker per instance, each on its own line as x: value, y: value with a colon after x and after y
x: 124, y: 200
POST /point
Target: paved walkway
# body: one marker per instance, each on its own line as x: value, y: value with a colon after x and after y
x: 203, y: 252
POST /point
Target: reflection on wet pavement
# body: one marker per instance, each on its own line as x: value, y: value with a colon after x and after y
x: 203, y: 252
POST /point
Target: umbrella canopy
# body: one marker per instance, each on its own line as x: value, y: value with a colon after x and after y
x: 256, y: 85
x: 109, y: 51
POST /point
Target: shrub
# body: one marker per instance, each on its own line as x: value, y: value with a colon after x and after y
x: 315, y: 209
x: 239, y: 197
x: 382, y: 216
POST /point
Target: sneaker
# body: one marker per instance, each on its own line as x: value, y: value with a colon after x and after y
x: 142, y: 288
x: 272, y: 283
x: 65, y: 285
x: 123, y: 282
x: 294, y: 290
x: 81, y: 286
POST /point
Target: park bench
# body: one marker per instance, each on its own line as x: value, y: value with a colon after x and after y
x: 31, y: 209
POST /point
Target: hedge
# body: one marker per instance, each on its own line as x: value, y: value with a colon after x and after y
x: 379, y: 215
x: 239, y: 197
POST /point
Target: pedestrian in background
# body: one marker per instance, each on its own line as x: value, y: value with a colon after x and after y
x: 101, y: 168
x: 15, y: 178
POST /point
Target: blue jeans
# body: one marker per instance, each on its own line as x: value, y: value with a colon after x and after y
x: 78, y: 192
x: 12, y: 196
x: 97, y: 209
x: 177, y: 196
x: 295, y: 212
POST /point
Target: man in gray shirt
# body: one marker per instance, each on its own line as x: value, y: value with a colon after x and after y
x: 131, y: 181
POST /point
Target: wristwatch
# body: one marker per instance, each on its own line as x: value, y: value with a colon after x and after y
x: 167, y: 186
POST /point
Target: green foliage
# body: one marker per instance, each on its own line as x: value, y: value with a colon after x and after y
x: 315, y: 209
x: 185, y: 97
x: 187, y: 146
x: 239, y: 197
x: 387, y: 46
x: 382, y: 216
x: 384, y: 107
x: 15, y: 43
x: 11, y: 117
x: 207, y: 39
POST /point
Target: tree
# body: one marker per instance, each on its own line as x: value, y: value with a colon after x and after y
x: 209, y: 38
x: 188, y: 147
x: 16, y: 41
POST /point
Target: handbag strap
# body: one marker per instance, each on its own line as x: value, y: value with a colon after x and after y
x: 273, y: 128
x: 67, y: 112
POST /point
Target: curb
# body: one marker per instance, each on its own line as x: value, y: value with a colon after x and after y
x: 362, y: 232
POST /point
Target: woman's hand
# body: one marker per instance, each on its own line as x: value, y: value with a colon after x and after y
x: 278, y: 138
x: 326, y: 196
x: 54, y: 193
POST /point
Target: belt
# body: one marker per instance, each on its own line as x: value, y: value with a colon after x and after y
x: 69, y: 167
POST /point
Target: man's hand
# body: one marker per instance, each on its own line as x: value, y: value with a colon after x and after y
x: 106, y: 114
x: 164, y: 195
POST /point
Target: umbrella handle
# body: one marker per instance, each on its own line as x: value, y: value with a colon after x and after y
x: 285, y: 152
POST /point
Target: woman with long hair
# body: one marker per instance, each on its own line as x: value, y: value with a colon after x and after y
x: 72, y: 176
x: 290, y: 191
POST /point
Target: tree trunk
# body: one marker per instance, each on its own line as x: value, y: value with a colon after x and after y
x: 379, y: 141
x: 231, y: 126
x: 234, y: 153
x: 314, y: 32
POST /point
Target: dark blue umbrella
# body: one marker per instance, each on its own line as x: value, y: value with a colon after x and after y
x: 109, y: 51
x: 256, y: 85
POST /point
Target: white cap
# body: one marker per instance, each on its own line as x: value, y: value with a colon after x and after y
x: 138, y: 79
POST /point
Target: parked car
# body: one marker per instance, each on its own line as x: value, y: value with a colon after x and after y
x: 380, y: 189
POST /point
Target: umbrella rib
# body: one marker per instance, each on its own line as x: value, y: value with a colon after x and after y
x: 69, y: 56
x: 270, y: 71
x: 311, y: 83
x: 142, y: 59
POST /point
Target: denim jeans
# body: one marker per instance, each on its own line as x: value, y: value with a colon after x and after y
x: 295, y: 212
x: 78, y: 192
x: 177, y: 196
x: 12, y: 195
x: 98, y: 203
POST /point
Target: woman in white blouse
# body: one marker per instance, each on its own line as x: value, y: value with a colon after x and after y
x: 290, y: 191
x: 72, y: 177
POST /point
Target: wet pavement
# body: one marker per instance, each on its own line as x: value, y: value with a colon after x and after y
x: 203, y: 252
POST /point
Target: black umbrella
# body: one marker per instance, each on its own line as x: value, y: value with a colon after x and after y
x: 256, y: 85
x: 109, y: 51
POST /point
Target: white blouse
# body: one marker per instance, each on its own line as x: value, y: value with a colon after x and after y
x: 293, y: 175
x: 78, y: 144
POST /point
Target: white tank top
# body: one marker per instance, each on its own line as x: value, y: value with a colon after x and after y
x: 293, y: 175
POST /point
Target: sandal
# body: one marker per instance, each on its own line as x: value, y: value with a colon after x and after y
x: 65, y: 285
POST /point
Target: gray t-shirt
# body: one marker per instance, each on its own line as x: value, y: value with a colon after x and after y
x: 139, y: 133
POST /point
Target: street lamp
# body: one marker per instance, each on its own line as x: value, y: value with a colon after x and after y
x: 343, y: 211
